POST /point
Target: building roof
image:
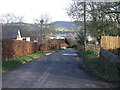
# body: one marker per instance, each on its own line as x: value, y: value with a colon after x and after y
x: 11, y: 31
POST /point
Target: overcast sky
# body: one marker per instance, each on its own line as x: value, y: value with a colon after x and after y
x: 32, y: 9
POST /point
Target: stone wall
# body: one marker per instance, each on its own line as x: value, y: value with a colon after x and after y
x: 111, y: 64
x: 109, y: 56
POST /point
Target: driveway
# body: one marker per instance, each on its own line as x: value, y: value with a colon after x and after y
x: 57, y: 70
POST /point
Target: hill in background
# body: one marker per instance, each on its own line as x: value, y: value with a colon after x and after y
x: 33, y: 30
x: 66, y: 25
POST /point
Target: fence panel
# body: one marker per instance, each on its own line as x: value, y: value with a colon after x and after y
x: 110, y: 42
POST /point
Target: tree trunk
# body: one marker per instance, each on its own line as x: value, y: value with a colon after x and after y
x: 84, y: 26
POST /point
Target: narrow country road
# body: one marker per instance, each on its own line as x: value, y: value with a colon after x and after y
x: 57, y: 70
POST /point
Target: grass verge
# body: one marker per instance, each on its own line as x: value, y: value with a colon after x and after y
x: 96, y: 65
x: 51, y: 51
x: 6, y: 65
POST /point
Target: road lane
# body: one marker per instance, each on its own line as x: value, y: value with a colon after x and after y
x: 57, y: 70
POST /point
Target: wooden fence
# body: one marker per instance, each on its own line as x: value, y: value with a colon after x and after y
x: 110, y: 42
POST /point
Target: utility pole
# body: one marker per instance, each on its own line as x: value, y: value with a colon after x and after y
x: 84, y: 25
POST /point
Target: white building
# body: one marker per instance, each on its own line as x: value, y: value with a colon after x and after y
x: 89, y: 38
x: 52, y: 37
x: 19, y: 37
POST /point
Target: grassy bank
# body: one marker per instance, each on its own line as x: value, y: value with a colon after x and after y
x: 93, y: 63
x: 6, y: 65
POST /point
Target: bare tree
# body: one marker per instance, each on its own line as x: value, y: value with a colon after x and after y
x: 43, y: 23
x: 11, y: 18
x: 43, y: 19
x: 19, y: 19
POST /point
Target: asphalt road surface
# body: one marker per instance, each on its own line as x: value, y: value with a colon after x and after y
x: 56, y: 70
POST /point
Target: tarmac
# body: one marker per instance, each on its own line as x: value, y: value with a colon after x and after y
x: 56, y: 70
